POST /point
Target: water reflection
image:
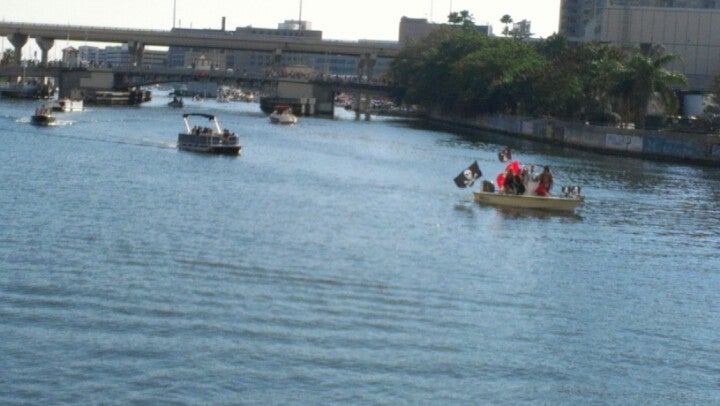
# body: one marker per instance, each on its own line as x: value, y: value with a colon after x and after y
x: 512, y: 213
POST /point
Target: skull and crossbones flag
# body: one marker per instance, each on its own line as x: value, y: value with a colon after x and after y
x: 467, y: 177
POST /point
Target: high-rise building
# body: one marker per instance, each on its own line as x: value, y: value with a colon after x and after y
x: 688, y: 28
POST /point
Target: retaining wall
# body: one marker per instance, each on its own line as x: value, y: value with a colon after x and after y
x: 661, y: 144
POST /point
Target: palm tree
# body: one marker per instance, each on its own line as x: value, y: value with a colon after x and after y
x: 463, y: 18
x: 507, y: 20
x: 644, y: 78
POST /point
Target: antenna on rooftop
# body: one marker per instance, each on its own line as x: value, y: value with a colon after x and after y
x: 300, y: 17
x: 174, y: 9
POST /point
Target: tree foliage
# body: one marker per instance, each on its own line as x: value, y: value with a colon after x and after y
x: 467, y: 73
x: 462, y: 18
x: 8, y: 57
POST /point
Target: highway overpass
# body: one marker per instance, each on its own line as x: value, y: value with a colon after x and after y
x: 45, y: 34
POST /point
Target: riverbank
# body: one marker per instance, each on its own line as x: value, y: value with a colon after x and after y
x: 703, y: 149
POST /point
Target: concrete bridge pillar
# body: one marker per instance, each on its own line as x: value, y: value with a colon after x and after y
x: 45, y: 45
x: 276, y: 60
x: 361, y: 69
x: 18, y: 40
x: 370, y: 61
x: 366, y: 63
x: 136, y: 49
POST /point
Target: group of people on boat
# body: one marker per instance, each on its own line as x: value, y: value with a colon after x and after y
x: 519, y: 181
x: 198, y: 130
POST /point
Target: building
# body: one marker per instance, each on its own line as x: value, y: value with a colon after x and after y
x: 115, y: 55
x: 521, y: 29
x: 688, y: 28
x: 90, y: 55
x: 413, y: 29
x: 70, y: 57
x: 263, y: 62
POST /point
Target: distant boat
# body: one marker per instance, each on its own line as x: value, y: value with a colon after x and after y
x: 282, y: 115
x: 67, y: 105
x: 26, y: 91
x: 206, y: 139
x: 176, y: 102
x: 43, y: 116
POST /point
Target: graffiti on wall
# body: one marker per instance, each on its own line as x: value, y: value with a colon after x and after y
x: 676, y: 148
x: 624, y: 142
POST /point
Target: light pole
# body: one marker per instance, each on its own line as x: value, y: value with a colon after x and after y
x: 300, y: 17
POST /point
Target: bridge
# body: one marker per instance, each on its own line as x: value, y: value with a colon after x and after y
x: 320, y: 89
x: 45, y: 35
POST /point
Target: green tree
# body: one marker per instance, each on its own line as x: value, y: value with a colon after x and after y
x: 8, y: 57
x: 462, y: 18
x: 555, y: 89
x: 713, y: 108
x: 643, y: 78
x: 507, y: 20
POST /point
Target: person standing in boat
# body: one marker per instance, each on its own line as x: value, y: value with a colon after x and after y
x: 546, y: 181
x: 513, y: 185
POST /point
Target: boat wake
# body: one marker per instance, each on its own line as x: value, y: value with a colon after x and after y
x: 139, y: 143
x: 56, y: 123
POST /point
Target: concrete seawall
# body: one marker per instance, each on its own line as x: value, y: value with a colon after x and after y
x: 664, y: 145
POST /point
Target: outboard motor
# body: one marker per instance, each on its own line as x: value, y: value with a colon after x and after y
x: 571, y: 191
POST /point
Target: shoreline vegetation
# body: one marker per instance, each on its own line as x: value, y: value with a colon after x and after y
x: 592, y: 95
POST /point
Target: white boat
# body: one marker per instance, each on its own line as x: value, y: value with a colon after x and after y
x: 43, y: 116
x: 567, y: 202
x: 207, y: 139
x: 67, y: 105
x: 283, y: 115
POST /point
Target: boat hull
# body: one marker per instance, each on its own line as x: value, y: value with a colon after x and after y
x: 43, y: 120
x: 553, y: 203
x: 283, y: 119
x: 207, y: 144
x: 67, y: 105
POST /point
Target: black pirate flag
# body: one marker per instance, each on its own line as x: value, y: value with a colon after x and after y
x: 467, y: 177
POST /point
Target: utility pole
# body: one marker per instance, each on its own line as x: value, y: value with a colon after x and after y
x: 300, y: 17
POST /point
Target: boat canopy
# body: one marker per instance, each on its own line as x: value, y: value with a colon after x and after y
x: 208, y: 116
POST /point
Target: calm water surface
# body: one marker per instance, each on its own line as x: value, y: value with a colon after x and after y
x: 336, y: 262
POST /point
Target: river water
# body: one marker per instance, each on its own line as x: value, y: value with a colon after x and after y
x: 336, y: 262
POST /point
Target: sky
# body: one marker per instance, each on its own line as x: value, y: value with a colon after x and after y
x: 337, y: 19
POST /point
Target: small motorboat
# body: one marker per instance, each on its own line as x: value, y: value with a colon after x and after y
x: 176, y: 102
x: 43, y: 116
x: 566, y: 202
x: 207, y: 139
x: 283, y: 115
x: 67, y: 105
x: 531, y: 193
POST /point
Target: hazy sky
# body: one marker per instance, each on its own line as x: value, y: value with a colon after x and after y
x: 338, y: 19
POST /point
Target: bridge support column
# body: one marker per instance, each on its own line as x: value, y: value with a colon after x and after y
x: 45, y: 45
x: 370, y: 61
x: 365, y: 66
x: 136, y: 49
x: 361, y: 68
x: 275, y: 62
x: 18, y: 41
